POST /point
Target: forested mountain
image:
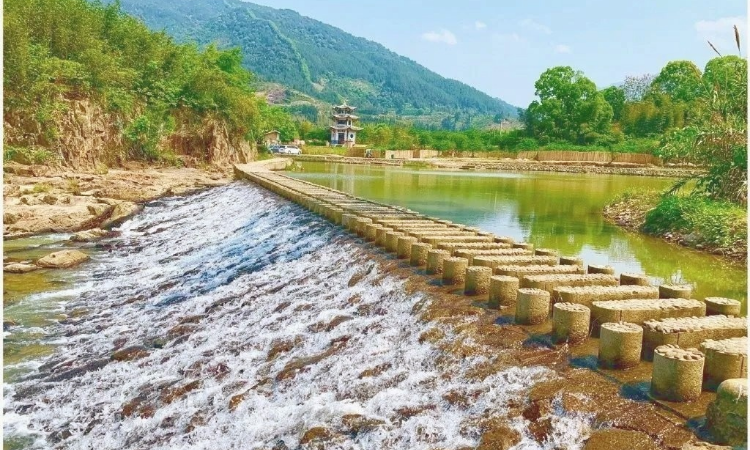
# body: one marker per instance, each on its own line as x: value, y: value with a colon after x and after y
x: 319, y: 60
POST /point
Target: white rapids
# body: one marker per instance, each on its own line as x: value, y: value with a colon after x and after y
x: 236, y: 293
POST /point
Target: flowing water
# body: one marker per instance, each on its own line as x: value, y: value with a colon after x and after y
x: 552, y: 210
x: 235, y: 319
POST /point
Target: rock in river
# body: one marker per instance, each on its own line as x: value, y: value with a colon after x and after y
x: 19, y: 268
x: 89, y: 235
x: 63, y: 259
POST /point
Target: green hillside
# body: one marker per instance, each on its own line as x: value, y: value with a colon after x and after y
x: 303, y: 54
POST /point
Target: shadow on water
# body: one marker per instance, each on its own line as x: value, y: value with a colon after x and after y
x: 590, y: 362
x: 505, y: 320
x: 636, y: 390
x: 539, y: 341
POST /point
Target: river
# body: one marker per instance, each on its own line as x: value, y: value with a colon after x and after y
x: 552, y: 210
x: 232, y: 318
x: 235, y: 319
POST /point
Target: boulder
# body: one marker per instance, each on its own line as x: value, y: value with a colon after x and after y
x: 19, y: 268
x: 89, y: 235
x: 63, y: 259
x: 120, y: 212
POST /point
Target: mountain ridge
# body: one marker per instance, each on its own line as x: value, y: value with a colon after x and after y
x: 304, y: 54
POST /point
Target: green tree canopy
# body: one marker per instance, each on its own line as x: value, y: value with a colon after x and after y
x: 569, y: 108
x: 680, y: 80
x: 616, y: 99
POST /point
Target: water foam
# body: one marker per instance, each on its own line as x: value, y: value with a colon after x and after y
x: 262, y: 288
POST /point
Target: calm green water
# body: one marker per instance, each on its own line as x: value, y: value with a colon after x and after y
x: 553, y: 210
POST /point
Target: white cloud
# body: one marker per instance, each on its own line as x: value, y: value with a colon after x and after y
x: 721, y: 32
x: 443, y: 36
x: 562, y: 48
x: 508, y: 38
x: 479, y: 25
x: 535, y: 26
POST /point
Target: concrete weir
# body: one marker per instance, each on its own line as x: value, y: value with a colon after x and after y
x: 635, y: 319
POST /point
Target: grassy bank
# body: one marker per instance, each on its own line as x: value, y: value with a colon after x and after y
x: 690, y: 220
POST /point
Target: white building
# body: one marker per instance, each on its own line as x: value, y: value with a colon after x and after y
x: 343, y: 130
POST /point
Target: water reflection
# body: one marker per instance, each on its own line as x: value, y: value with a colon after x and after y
x: 555, y: 210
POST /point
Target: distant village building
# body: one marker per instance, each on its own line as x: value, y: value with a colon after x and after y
x: 343, y: 130
x: 271, y: 137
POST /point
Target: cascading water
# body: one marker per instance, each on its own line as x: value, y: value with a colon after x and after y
x: 234, y: 319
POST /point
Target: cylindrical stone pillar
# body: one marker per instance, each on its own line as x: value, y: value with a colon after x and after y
x: 403, y: 247
x: 634, y: 279
x: 418, y: 255
x: 675, y: 291
x: 346, y: 219
x: 435, y: 260
x: 523, y: 245
x: 606, y: 270
x: 532, y: 306
x: 359, y: 225
x: 571, y: 261
x: 337, y: 215
x: 571, y: 322
x: 503, y: 291
x: 546, y: 252
x: 391, y: 240
x: 454, y: 270
x: 725, y: 359
x: 477, y: 280
x: 726, y: 416
x: 720, y: 305
x: 677, y: 373
x: 620, y: 345
x: 380, y: 235
x: 371, y: 231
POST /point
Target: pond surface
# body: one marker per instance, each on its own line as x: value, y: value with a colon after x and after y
x: 551, y: 210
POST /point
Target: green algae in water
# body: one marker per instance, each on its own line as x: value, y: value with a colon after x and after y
x: 551, y: 210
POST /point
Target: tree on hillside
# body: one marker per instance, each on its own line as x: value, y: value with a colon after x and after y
x: 569, y: 108
x: 680, y: 80
x: 616, y: 99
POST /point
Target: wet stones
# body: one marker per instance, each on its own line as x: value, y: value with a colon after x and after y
x: 403, y: 246
x: 503, y: 290
x: 677, y: 373
x: 63, y: 259
x: 726, y: 416
x: 723, y: 306
x: 130, y: 353
x: 419, y: 252
x: 19, y: 268
x: 477, y: 280
x: 435, y: 260
x: 521, y: 260
x: 571, y: 261
x: 571, y: 322
x: 607, y: 270
x: 521, y: 271
x: 620, y: 345
x: 586, y: 295
x: 725, y: 359
x: 549, y: 282
x: 634, y: 279
x: 454, y: 270
x: 90, y: 235
x: 532, y: 306
x: 640, y: 310
x: 690, y: 331
x: 675, y: 291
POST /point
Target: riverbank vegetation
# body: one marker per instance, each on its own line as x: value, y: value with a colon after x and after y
x: 710, y: 209
x: 79, y: 69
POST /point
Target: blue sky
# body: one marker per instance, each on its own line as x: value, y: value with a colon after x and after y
x: 501, y: 47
